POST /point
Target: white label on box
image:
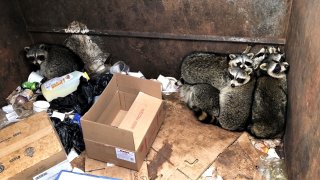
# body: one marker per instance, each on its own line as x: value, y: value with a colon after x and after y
x: 53, y: 172
x: 125, y: 155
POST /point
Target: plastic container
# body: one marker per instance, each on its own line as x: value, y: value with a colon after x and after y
x: 35, y: 77
x: 39, y: 106
x: 62, y: 86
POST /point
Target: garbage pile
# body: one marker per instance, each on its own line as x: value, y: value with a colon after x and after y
x: 70, y: 96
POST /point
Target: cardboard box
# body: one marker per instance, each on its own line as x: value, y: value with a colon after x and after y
x: 122, y: 125
x: 29, y: 147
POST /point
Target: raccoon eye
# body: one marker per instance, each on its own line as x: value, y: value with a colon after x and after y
x: 238, y: 63
x: 248, y: 63
x: 31, y: 58
x: 231, y: 76
x: 277, y: 69
x: 240, y: 80
x: 41, y: 58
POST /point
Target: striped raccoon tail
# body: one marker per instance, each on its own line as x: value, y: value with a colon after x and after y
x: 180, y: 82
x: 203, y: 116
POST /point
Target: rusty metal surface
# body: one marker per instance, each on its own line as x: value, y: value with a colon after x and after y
x: 302, y: 136
x: 151, y: 56
x: 13, y: 69
x: 234, y: 18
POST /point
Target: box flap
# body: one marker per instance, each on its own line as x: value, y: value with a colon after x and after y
x: 24, y: 132
x: 140, y: 116
x: 135, y: 85
x: 98, y: 107
x: 110, y: 112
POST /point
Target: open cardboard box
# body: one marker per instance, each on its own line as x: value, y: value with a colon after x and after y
x: 122, y: 125
x: 30, y: 149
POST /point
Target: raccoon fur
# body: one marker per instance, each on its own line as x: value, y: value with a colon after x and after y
x: 229, y: 108
x: 209, y: 68
x: 202, y: 99
x: 270, y: 98
x: 88, y: 50
x: 53, y: 60
x: 235, y: 106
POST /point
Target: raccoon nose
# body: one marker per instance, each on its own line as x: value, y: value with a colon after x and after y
x: 232, y: 85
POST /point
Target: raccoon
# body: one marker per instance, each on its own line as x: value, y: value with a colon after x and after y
x: 235, y: 105
x: 270, y: 99
x: 90, y: 52
x: 207, y: 102
x: 265, y: 53
x: 209, y: 68
x: 53, y: 60
x: 203, y: 100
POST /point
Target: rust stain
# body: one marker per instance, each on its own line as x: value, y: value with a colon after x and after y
x: 161, y: 157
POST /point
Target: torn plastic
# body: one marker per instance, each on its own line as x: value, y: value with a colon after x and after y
x: 265, y: 144
x: 70, y: 135
x: 12, y: 113
x: 168, y: 84
x: 272, y: 168
x: 119, y: 67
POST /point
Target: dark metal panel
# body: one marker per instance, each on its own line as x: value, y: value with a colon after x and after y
x: 302, y: 138
x: 152, y: 56
x: 13, y: 68
x: 229, y: 18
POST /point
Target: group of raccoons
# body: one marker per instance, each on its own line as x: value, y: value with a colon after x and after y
x: 238, y: 92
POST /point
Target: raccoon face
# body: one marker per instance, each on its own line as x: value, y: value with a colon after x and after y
x: 276, y: 67
x: 259, y: 57
x: 265, y: 53
x: 239, y: 76
x: 243, y: 61
x: 36, y: 53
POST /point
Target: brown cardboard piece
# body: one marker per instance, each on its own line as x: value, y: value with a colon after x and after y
x: 122, y: 125
x: 29, y: 147
x: 99, y: 168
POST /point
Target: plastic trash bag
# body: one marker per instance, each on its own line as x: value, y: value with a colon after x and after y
x: 100, y: 82
x: 70, y: 135
x: 79, y: 101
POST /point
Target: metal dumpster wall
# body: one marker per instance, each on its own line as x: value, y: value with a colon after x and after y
x: 153, y: 35
x: 302, y: 138
x: 13, y: 37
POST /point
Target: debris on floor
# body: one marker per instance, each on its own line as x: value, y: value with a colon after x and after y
x: 170, y: 144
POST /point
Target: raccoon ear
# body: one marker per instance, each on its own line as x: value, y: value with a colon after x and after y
x: 263, y: 66
x: 250, y: 55
x: 248, y: 71
x: 42, y: 46
x: 26, y: 49
x: 232, y: 56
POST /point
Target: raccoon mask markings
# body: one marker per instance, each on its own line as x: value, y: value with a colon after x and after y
x: 53, y: 60
x: 239, y: 76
